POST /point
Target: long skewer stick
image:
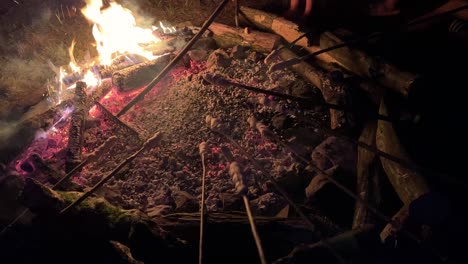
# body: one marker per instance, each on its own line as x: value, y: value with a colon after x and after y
x: 202, y: 202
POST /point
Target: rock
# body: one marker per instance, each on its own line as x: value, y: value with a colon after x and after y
x: 281, y: 121
x: 185, y: 202
x: 318, y: 182
x: 239, y: 52
x: 231, y: 202
x: 198, y: 55
x: 218, y: 59
x: 255, y: 56
x: 289, y: 176
x: 269, y: 204
x: 335, y: 151
x: 207, y: 43
x: 159, y: 210
x: 124, y: 253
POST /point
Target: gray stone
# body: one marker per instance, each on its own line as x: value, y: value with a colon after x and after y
x: 269, y: 204
x: 218, y: 59
x: 159, y: 210
x: 239, y: 52
x: 185, y: 202
x: 335, y: 151
x: 198, y: 55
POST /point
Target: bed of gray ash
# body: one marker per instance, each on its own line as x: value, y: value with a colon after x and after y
x: 167, y: 178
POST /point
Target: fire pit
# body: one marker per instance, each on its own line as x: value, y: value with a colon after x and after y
x: 175, y: 136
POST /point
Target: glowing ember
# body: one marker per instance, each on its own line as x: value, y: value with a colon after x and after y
x: 115, y: 31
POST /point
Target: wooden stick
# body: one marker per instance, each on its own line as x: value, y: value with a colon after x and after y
x: 203, y: 152
x: 258, y: 242
x: 179, y: 56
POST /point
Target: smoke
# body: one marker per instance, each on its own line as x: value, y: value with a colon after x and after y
x: 14, y: 138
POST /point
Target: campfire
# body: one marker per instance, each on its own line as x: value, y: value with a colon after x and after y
x: 254, y: 139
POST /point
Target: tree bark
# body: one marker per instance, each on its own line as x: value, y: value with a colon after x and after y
x: 408, y: 184
x: 288, y: 30
x: 137, y: 76
x: 226, y: 36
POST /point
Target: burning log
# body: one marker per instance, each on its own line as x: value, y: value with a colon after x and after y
x: 408, y: 183
x: 364, y: 65
x: 226, y: 36
x: 136, y: 76
x: 288, y: 30
x: 77, y: 126
x: 119, y: 63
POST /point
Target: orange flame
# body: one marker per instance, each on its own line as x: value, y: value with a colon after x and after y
x: 115, y: 31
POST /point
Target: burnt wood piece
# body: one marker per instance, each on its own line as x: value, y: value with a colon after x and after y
x: 137, y: 76
x: 53, y: 175
x: 226, y: 37
x: 287, y: 29
x: 362, y: 64
x: 117, y: 122
x: 366, y: 174
x: 334, y: 89
x: 77, y: 127
x: 17, y: 137
x: 409, y: 184
x: 102, y: 90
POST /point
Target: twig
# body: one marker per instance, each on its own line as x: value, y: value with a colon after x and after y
x: 179, y: 56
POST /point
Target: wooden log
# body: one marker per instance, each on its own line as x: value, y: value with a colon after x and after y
x: 137, y: 76
x: 365, y: 170
x: 226, y: 36
x: 362, y: 64
x: 334, y: 91
x: 408, y: 184
x: 77, y: 126
x: 287, y: 29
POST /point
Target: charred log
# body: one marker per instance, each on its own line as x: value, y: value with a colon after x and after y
x: 77, y: 126
x: 137, y: 76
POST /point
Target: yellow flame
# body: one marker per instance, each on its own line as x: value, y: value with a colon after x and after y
x: 115, y: 31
